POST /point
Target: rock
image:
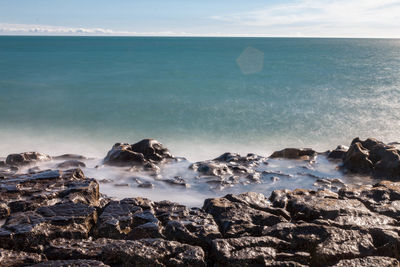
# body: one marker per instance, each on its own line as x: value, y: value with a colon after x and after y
x: 192, y: 226
x: 31, y: 229
x: 310, y: 206
x: 144, y: 252
x: 343, y: 244
x: 357, y: 159
x: 147, y: 150
x: 71, y: 164
x: 71, y: 263
x: 295, y: 153
x: 211, y: 168
x: 130, y: 218
x: 30, y: 191
x: 26, y: 158
x: 4, y: 210
x: 237, y: 219
x: 250, y: 251
x: 176, y: 181
x: 70, y: 157
x: 368, y: 262
x: 373, y: 157
x: 10, y: 258
x: 338, y: 153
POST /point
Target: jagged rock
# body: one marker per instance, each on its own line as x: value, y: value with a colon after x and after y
x: 245, y: 251
x: 295, y: 153
x: 191, y: 226
x: 10, y: 258
x: 71, y: 164
x: 26, y: 158
x: 176, y: 181
x: 144, y: 252
x: 368, y: 262
x: 237, y: 219
x: 338, y: 153
x: 130, y: 218
x: 28, y: 230
x: 29, y: 191
x: 373, y: 157
x: 211, y: 168
x: 139, y: 153
x: 309, y: 206
x: 71, y: 263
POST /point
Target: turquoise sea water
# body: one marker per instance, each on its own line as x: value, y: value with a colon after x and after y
x: 198, y: 96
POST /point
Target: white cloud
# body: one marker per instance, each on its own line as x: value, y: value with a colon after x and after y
x: 356, y: 18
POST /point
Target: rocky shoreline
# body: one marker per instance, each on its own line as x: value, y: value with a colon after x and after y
x: 58, y: 217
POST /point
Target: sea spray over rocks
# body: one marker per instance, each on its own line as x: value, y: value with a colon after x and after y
x: 59, y: 217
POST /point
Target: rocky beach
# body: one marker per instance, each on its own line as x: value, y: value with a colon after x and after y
x: 58, y: 216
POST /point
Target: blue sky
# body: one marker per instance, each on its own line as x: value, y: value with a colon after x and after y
x: 324, y: 18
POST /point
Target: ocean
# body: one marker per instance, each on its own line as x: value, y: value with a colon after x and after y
x: 200, y: 97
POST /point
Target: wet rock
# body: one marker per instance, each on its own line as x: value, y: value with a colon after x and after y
x: 237, y: 219
x: 130, y: 218
x: 295, y: 153
x: 139, y: 153
x: 373, y: 157
x: 176, y: 181
x: 192, y: 226
x: 338, y: 153
x: 29, y: 191
x: 146, y: 185
x: 70, y: 157
x: 10, y: 258
x: 368, y: 262
x: 31, y: 229
x: 309, y: 206
x: 71, y: 263
x: 357, y: 159
x: 211, y: 168
x: 144, y: 252
x: 343, y: 244
x: 4, y: 210
x: 71, y: 164
x: 26, y: 158
x: 250, y: 251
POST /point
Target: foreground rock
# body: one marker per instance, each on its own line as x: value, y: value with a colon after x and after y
x: 373, y: 157
x: 144, y: 252
x: 145, y: 151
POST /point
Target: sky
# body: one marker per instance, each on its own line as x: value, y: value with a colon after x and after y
x: 285, y: 18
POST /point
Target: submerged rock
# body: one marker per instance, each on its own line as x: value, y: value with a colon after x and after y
x: 147, y: 150
x: 71, y: 164
x: 295, y: 153
x: 26, y: 158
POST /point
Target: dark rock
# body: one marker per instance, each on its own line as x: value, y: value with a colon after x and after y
x: 237, y: 219
x: 130, y: 218
x: 10, y: 258
x: 373, y: 157
x: 139, y: 153
x: 338, y: 153
x: 309, y: 206
x: 295, y: 153
x: 70, y: 157
x: 28, y: 230
x: 144, y: 252
x: 71, y: 263
x: 29, y: 191
x: 368, y: 262
x: 4, y: 210
x: 71, y: 164
x: 26, y: 158
x: 357, y: 159
x: 211, y: 168
x: 191, y: 226
x: 176, y: 181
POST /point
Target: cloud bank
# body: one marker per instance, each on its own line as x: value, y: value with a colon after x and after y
x: 342, y: 18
